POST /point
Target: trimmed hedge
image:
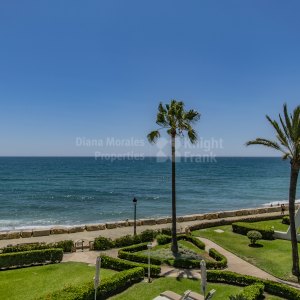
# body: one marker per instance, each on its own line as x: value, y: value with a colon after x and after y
x: 107, y: 288
x: 286, y: 220
x: 253, y: 292
x: 229, y: 221
x: 103, y: 243
x: 271, y: 287
x: 193, y: 240
x: 128, y: 254
x: 127, y: 240
x: 244, y: 227
x: 163, y: 239
x: 66, y: 245
x: 220, y: 260
x: 121, y: 264
x: 28, y: 258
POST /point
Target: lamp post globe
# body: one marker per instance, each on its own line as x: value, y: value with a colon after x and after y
x: 134, y: 225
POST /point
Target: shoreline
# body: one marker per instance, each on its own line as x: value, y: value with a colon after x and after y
x: 65, y: 230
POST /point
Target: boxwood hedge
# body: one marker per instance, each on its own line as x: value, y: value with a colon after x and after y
x: 66, y: 245
x: 271, y: 287
x: 129, y: 253
x: 121, y: 264
x: 28, y: 258
x: 244, y: 227
x: 107, y: 288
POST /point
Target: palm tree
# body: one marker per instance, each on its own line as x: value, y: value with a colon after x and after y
x: 288, y: 143
x: 176, y: 120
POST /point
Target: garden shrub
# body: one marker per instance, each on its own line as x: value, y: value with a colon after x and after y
x: 33, y: 257
x: 103, y: 243
x: 121, y: 264
x: 251, y: 292
x: 271, y: 287
x: 126, y: 240
x: 220, y: 260
x: 66, y: 245
x: 244, y: 227
x: 163, y: 239
x: 254, y: 236
x: 193, y: 240
x: 107, y: 288
x: 286, y: 220
x: 166, y: 231
x: 148, y: 235
x: 128, y: 253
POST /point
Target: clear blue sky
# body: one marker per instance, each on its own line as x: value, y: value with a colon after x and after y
x: 98, y: 69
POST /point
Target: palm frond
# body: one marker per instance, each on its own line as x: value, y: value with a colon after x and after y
x: 288, y: 121
x: 192, y: 136
x: 192, y: 116
x: 176, y: 120
x: 282, y: 137
x: 153, y: 136
x: 265, y: 142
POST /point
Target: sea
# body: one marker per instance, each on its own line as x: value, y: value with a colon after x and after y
x: 48, y: 191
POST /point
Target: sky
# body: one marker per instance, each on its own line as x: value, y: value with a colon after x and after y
x: 75, y: 71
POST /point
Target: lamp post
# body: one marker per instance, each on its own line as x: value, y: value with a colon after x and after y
x: 97, y: 275
x: 149, y: 246
x: 203, y: 276
x: 134, y: 224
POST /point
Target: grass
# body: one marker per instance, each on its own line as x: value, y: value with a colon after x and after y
x: 274, y: 257
x: 187, y: 250
x: 30, y: 283
x: 148, y: 291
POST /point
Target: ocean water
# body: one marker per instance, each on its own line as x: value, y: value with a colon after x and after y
x: 46, y: 191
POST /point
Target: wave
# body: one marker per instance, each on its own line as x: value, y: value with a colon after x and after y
x: 278, y: 203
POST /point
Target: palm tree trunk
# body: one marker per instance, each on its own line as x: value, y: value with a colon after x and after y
x: 292, y: 197
x: 174, y: 246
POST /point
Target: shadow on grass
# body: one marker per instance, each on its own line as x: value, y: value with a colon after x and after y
x: 255, y: 245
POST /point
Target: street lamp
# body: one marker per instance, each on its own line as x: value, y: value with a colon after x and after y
x: 97, y: 275
x: 134, y: 224
x: 149, y: 246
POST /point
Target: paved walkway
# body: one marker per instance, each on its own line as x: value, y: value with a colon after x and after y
x: 116, y: 232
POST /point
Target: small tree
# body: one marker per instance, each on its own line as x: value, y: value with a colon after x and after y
x: 254, y: 236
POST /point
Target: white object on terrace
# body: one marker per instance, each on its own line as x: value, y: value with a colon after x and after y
x: 287, y: 235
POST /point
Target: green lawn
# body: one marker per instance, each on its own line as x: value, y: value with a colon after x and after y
x: 274, y: 257
x: 148, y: 291
x: 30, y: 283
x: 186, y: 250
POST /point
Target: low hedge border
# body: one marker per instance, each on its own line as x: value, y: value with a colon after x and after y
x: 251, y: 292
x: 28, y: 258
x: 121, y: 264
x: 66, y: 245
x: 271, y: 287
x: 107, y: 288
x: 128, y: 253
x: 244, y: 227
x: 103, y: 243
x: 228, y: 221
